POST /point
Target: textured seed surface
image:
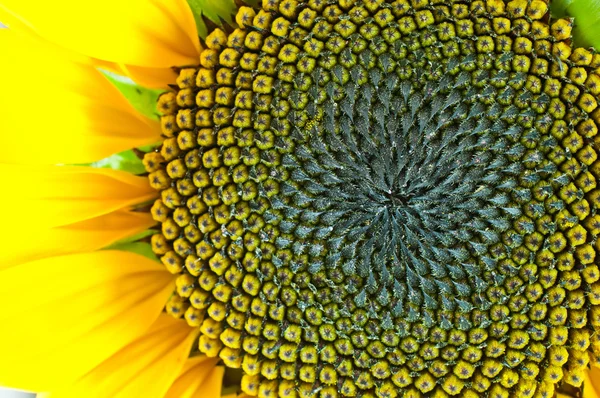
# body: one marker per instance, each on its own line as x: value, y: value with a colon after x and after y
x: 369, y: 198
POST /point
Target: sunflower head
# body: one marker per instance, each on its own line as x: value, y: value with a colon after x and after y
x: 386, y: 198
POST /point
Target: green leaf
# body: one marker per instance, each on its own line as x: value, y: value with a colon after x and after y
x: 142, y: 248
x: 143, y: 99
x: 124, y: 161
x: 215, y: 10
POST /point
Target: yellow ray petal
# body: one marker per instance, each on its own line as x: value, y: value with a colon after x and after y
x: 591, y: 383
x: 53, y: 196
x: 145, y: 368
x: 64, y: 315
x: 60, y: 111
x: 33, y: 42
x: 191, y: 381
x: 27, y: 243
x: 150, y: 77
x: 213, y: 384
x: 154, y: 34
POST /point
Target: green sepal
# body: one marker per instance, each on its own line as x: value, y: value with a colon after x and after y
x: 141, y: 248
x: 586, y: 15
x: 143, y: 99
x: 124, y: 161
x: 215, y: 10
x: 558, y: 8
x: 201, y: 26
x: 137, y: 237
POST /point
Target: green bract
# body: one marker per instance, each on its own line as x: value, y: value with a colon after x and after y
x: 215, y: 11
x: 126, y: 161
x: 143, y: 99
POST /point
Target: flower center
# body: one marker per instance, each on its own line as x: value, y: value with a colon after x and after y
x: 370, y: 198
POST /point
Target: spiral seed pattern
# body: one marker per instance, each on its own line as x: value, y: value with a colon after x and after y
x: 369, y: 198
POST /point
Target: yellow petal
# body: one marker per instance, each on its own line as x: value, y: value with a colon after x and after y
x: 27, y: 243
x: 58, y: 111
x: 213, y: 384
x: 53, y: 196
x: 62, y: 316
x: 191, y: 380
x: 145, y: 368
x: 150, y: 77
x: 32, y: 42
x: 591, y: 383
x: 154, y: 34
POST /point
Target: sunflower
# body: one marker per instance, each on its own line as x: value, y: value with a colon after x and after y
x: 333, y: 198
